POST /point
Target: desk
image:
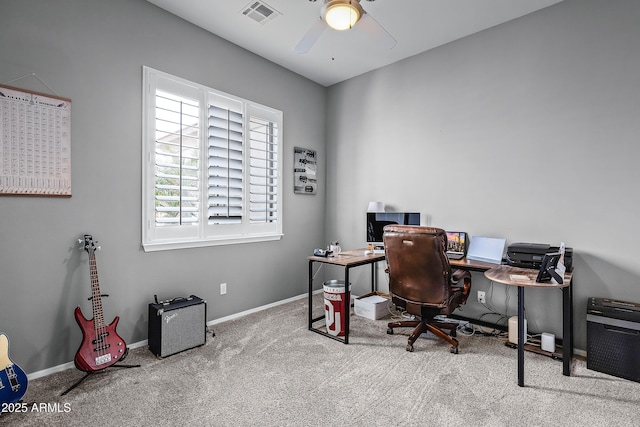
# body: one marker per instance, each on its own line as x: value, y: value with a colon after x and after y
x: 348, y: 260
x: 509, y: 276
x: 471, y: 265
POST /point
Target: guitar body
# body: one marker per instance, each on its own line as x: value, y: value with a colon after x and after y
x: 100, y: 347
x: 13, y: 380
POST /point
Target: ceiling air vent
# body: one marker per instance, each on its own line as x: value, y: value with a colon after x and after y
x: 260, y: 12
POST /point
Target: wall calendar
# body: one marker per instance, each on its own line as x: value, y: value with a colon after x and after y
x: 35, y: 143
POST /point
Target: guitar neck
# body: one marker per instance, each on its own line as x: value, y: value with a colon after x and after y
x: 96, y: 296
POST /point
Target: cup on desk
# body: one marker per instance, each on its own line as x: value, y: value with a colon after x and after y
x: 336, y: 249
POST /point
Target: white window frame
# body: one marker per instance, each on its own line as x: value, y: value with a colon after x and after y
x: 203, y: 233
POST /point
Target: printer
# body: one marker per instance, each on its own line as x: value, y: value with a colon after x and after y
x: 530, y: 255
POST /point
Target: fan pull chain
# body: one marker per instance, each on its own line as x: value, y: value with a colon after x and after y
x: 333, y: 38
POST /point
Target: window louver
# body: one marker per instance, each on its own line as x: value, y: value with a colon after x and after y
x: 225, y: 166
x: 263, y: 191
x: 177, y: 154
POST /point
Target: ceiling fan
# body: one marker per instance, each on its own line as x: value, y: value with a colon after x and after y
x: 344, y: 15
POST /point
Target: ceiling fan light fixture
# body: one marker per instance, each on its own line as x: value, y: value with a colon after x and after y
x: 342, y: 14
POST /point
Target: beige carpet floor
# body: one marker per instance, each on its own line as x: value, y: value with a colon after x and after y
x: 267, y: 369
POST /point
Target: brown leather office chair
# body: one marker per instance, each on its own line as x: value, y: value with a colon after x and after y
x: 421, y: 281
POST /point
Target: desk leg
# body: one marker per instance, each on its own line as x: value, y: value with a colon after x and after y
x: 310, y: 294
x: 347, y: 305
x: 567, y: 329
x: 521, y: 336
x: 373, y: 277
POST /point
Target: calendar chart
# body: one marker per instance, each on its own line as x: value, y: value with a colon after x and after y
x: 35, y: 143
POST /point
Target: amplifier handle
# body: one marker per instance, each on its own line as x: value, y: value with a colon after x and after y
x: 621, y: 331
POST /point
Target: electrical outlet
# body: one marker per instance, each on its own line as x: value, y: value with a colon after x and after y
x: 481, y: 297
x: 223, y: 288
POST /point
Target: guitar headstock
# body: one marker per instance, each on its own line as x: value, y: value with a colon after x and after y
x: 88, y: 244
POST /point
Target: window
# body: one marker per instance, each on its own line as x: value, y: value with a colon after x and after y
x: 212, y: 166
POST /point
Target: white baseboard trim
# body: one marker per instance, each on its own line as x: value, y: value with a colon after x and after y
x: 70, y: 365
x: 256, y: 310
x: 49, y: 371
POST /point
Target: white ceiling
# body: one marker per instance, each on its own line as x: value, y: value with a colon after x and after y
x: 417, y: 25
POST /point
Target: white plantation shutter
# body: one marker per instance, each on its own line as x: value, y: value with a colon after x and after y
x: 212, y: 166
x: 177, y: 156
x: 263, y: 172
x: 226, y: 166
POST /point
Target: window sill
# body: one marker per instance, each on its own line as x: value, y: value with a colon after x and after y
x: 201, y: 243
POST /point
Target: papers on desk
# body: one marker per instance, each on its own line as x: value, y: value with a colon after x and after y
x: 520, y: 278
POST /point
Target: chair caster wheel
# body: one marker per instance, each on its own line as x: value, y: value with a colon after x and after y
x: 389, y: 331
x: 409, y: 347
x: 453, y: 350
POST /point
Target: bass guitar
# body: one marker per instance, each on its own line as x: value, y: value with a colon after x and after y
x: 101, y: 346
x: 13, y: 380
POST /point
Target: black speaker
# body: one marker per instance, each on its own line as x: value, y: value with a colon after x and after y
x: 613, y: 337
x: 177, y: 325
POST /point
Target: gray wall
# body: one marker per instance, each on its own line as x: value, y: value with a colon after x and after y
x: 93, y: 52
x: 527, y: 131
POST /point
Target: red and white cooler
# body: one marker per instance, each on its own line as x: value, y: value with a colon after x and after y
x: 334, y: 295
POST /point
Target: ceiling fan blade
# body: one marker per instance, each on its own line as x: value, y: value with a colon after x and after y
x: 374, y: 30
x: 311, y: 37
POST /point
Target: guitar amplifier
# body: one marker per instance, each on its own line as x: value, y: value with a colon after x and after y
x: 177, y: 325
x: 613, y: 337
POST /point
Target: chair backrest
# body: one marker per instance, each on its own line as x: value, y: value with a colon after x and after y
x: 419, y: 270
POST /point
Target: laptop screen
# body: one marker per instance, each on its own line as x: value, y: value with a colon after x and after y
x: 456, y: 242
x: 488, y: 249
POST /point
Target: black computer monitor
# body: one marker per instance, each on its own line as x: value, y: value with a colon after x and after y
x: 377, y: 220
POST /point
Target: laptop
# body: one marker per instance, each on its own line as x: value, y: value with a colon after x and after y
x: 487, y: 249
x: 457, y: 244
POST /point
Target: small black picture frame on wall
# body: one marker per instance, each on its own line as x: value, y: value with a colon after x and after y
x: 304, y: 171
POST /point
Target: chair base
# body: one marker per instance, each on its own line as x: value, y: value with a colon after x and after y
x: 422, y: 326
